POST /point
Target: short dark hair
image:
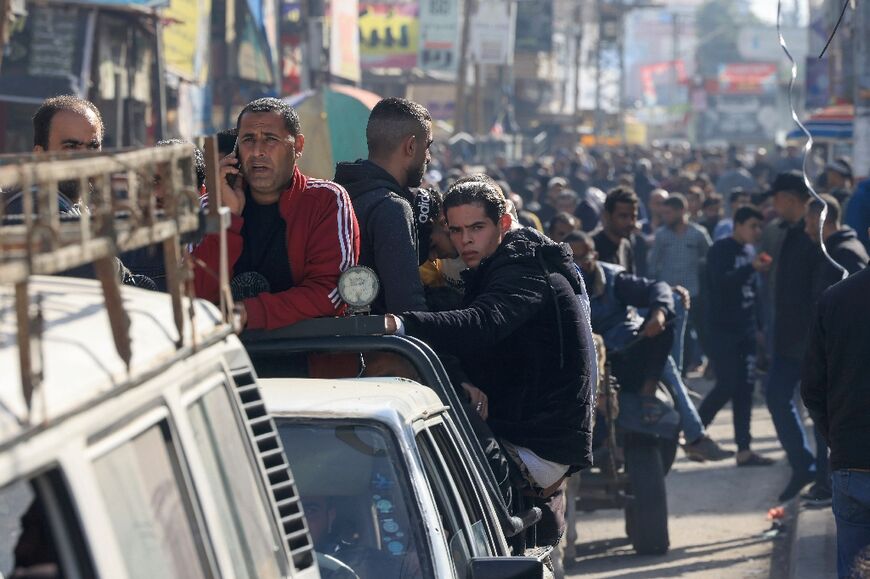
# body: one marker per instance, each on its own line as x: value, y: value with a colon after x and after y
x: 273, y: 105
x: 737, y: 193
x: 564, y: 217
x: 481, y: 178
x: 791, y: 183
x: 676, y: 201
x: 581, y: 237
x: 198, y: 158
x: 695, y: 190
x: 746, y: 213
x: 392, y: 120
x: 51, y: 106
x: 226, y: 141
x: 619, y: 195
x: 834, y: 208
x: 477, y: 191
x: 712, y: 199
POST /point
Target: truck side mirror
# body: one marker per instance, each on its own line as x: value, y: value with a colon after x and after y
x: 505, y: 568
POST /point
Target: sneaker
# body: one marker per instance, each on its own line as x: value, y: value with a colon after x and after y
x: 817, y: 496
x: 749, y: 458
x: 705, y: 448
x: 795, y: 484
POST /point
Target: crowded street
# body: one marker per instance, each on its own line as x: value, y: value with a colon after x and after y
x: 434, y: 289
x: 705, y: 541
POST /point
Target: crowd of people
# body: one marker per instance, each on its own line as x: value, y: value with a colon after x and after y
x: 682, y: 261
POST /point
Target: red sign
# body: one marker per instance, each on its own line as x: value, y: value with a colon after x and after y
x: 747, y: 78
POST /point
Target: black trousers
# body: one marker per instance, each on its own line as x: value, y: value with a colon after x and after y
x: 733, y: 356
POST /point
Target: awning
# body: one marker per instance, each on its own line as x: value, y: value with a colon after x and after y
x: 834, y: 122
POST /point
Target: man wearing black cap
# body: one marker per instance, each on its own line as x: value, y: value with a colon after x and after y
x: 838, y: 178
x: 794, y: 267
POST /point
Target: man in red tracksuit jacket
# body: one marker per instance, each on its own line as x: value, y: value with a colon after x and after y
x: 291, y: 236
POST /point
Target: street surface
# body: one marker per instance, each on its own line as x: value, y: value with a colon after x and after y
x: 718, y: 515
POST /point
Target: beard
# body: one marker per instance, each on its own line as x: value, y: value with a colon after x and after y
x: 415, y: 175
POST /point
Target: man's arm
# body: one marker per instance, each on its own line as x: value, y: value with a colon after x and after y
x: 703, y: 246
x: 395, y: 255
x: 654, y: 259
x: 723, y: 276
x: 641, y: 292
x: 507, y: 303
x: 814, y: 378
x: 332, y: 246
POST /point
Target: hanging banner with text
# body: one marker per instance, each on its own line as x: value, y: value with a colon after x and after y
x: 186, y: 39
x: 344, y: 39
x: 439, y: 35
x: 389, y: 36
x: 492, y: 38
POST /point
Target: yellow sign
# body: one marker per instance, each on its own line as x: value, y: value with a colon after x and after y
x: 185, y: 39
x: 389, y: 35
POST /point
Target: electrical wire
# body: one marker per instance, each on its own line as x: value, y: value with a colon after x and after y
x: 809, y: 144
x: 836, y: 27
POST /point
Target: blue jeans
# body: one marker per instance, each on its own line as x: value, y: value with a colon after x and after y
x: 782, y: 381
x: 693, y: 429
x: 851, y: 508
x: 679, y: 323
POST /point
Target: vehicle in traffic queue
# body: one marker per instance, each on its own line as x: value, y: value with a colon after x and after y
x: 392, y: 478
x: 133, y: 438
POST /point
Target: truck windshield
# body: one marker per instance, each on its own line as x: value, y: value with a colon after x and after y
x: 357, y: 497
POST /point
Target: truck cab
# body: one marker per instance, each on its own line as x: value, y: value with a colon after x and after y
x: 386, y: 481
x: 134, y: 441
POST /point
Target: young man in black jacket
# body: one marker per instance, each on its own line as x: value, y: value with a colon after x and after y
x: 841, y: 242
x: 398, y: 134
x: 523, y: 336
x: 835, y: 387
x: 794, y: 269
x: 730, y: 315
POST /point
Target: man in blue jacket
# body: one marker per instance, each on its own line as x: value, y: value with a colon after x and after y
x: 614, y: 296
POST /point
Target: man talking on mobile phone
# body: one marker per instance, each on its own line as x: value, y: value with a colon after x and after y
x: 290, y: 237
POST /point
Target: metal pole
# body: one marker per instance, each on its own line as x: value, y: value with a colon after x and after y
x: 462, y: 67
x: 861, y: 48
x: 578, y: 58
x: 621, y: 104
x: 598, y: 119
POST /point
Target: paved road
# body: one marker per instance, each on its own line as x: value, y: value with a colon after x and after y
x: 718, y: 516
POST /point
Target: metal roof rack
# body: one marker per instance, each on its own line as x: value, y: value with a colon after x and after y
x: 117, y: 213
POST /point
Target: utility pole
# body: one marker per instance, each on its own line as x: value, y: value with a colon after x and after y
x: 462, y: 68
x: 578, y: 57
x: 861, y: 122
x: 599, y: 125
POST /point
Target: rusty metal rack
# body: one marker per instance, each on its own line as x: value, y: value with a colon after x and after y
x: 118, y: 213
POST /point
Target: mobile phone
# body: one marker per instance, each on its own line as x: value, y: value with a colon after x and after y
x: 231, y: 179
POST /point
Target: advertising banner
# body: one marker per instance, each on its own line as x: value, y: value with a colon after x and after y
x: 439, y: 36
x: 747, y: 78
x: 389, y: 35
x: 491, y: 38
x: 186, y: 39
x: 344, y: 39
